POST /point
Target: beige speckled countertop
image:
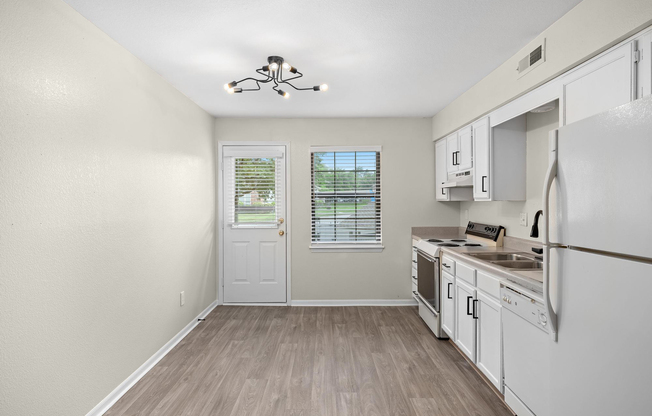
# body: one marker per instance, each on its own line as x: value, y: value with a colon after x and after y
x: 506, y: 276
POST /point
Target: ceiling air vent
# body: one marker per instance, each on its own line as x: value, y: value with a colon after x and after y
x: 532, y: 59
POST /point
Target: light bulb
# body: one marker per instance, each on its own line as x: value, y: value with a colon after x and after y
x: 230, y: 90
x: 283, y: 94
x: 286, y: 95
x: 226, y: 87
x: 273, y: 66
x: 323, y: 87
x: 230, y: 85
x: 286, y: 66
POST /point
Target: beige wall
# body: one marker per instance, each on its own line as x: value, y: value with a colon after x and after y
x: 588, y: 29
x: 408, y: 187
x: 507, y: 214
x: 107, y: 211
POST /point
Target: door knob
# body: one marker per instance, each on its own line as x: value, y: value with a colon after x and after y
x: 281, y: 233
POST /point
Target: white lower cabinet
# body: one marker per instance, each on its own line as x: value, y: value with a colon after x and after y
x: 476, y: 314
x: 464, y: 322
x: 448, y: 305
x: 489, y: 342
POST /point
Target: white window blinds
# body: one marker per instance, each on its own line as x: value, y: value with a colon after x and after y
x: 346, y: 196
x: 253, y: 187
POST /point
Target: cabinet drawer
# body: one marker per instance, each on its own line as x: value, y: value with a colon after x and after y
x: 465, y: 272
x: 488, y: 284
x: 448, y: 265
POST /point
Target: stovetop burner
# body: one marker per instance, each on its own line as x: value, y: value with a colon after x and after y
x: 472, y: 245
x: 448, y: 245
x: 459, y: 241
x: 434, y: 240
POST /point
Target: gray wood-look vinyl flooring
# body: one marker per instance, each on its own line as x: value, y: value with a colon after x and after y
x: 311, y: 361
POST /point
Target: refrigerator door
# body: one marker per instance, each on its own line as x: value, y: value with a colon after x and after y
x: 600, y: 363
x: 604, y: 182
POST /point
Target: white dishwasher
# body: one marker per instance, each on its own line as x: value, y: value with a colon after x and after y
x: 525, y: 353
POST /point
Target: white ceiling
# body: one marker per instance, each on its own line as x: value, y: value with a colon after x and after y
x: 379, y: 57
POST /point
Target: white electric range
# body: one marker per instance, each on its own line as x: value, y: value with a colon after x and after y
x: 429, y: 268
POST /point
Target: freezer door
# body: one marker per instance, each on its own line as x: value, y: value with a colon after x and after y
x: 600, y: 364
x: 604, y: 182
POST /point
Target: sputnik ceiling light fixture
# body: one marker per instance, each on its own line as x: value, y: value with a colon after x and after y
x: 273, y: 72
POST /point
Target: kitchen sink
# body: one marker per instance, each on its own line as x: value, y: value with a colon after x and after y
x: 520, y: 264
x: 499, y: 256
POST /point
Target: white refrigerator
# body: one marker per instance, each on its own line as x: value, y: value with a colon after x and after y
x: 598, y: 264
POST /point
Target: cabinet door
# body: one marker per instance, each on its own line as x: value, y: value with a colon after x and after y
x: 448, y: 305
x: 441, y: 173
x: 464, y: 322
x: 489, y: 359
x: 465, y: 155
x: 644, y: 66
x: 600, y: 85
x: 452, y: 147
x: 481, y: 159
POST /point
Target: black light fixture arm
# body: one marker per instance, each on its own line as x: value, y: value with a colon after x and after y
x: 273, y: 72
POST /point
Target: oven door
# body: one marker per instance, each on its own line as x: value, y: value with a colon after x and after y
x: 428, y: 282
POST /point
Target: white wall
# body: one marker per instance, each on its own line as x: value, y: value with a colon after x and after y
x: 506, y: 213
x: 408, y: 186
x: 107, y: 211
x: 588, y: 29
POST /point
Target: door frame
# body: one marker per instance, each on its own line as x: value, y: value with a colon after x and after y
x: 219, y: 224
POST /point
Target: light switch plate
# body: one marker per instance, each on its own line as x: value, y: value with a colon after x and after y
x: 182, y: 298
x: 524, y: 219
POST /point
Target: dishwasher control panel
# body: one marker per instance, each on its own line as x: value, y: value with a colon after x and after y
x: 527, y: 308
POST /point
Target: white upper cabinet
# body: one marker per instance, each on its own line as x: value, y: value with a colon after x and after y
x: 482, y: 156
x: 441, y: 173
x: 452, y: 150
x: 644, y: 66
x: 465, y: 149
x: 600, y: 85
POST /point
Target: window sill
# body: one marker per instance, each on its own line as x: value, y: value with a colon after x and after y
x: 346, y: 248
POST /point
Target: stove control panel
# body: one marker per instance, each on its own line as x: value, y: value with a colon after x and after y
x: 490, y: 232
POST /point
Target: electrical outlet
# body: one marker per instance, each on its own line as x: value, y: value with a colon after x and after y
x: 182, y: 298
x: 524, y: 219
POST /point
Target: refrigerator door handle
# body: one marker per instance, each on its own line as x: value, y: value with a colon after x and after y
x: 550, y: 176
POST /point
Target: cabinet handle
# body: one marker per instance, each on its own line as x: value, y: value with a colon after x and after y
x: 453, y: 157
x: 442, y: 191
x: 483, y: 178
x: 449, y: 291
x: 468, y: 305
x: 475, y: 309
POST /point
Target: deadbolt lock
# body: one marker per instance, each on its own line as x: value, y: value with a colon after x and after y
x: 281, y: 220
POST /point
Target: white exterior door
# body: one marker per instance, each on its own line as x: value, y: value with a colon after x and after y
x: 255, y: 246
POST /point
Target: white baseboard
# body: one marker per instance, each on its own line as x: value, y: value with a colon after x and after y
x: 356, y: 302
x: 119, y: 391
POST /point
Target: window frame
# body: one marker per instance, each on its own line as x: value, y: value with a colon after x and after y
x: 345, y: 247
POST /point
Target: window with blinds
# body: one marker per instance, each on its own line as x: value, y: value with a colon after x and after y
x: 254, y: 187
x: 346, y: 196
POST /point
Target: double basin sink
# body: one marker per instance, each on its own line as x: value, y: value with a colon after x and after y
x: 514, y: 261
